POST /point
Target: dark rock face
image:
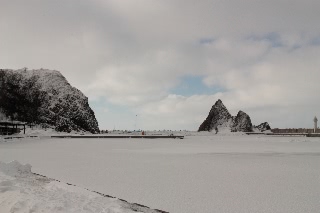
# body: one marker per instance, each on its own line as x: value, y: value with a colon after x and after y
x: 218, y: 115
x: 242, y: 123
x: 263, y: 127
x: 65, y: 108
x: 68, y: 108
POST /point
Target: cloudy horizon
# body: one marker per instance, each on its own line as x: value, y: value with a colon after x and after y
x: 162, y: 64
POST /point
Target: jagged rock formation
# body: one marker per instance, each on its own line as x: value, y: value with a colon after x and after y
x: 219, y: 117
x: 263, y: 127
x: 242, y: 123
x: 63, y: 107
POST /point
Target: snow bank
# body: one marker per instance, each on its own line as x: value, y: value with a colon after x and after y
x: 15, y: 169
x: 23, y: 191
x: 39, y: 131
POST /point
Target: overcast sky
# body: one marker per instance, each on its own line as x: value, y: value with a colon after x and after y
x: 162, y: 64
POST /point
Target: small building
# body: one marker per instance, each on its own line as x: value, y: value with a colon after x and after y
x: 12, y: 127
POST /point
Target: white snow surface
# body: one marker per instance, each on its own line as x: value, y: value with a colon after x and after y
x: 23, y: 191
x: 202, y: 173
x: 15, y: 169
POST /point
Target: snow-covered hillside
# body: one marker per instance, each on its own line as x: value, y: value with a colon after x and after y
x: 64, y: 107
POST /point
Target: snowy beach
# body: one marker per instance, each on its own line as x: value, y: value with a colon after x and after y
x: 201, y: 173
x: 23, y: 191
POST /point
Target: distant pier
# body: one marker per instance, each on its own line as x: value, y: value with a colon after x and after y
x: 119, y: 136
x: 285, y: 134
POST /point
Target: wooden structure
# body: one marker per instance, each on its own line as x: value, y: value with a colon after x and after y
x: 11, y: 127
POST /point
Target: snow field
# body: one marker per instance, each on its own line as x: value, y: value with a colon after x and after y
x: 22, y: 191
x: 202, y: 173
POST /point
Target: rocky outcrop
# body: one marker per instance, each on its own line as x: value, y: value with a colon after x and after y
x: 263, y: 127
x: 63, y: 107
x: 219, y: 117
x: 242, y: 123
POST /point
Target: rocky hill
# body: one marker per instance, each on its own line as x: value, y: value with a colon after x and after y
x: 241, y: 123
x: 219, y: 117
x: 48, y: 93
x: 263, y: 127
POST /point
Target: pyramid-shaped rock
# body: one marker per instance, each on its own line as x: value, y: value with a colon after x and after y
x: 218, y: 116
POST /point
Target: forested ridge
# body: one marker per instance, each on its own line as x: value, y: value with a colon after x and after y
x: 45, y: 97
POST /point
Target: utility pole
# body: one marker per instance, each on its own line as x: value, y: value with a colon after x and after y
x: 135, y: 123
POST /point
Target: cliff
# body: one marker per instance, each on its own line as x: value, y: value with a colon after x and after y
x: 51, y: 100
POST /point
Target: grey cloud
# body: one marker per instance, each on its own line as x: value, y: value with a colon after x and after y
x: 134, y: 52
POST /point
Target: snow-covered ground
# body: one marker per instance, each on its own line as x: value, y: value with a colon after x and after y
x: 201, y: 173
x: 23, y: 191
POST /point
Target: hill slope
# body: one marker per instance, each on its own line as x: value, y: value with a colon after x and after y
x: 62, y: 106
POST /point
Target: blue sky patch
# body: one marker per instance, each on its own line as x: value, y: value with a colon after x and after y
x: 206, y: 40
x: 103, y: 104
x: 193, y: 85
x: 315, y: 41
x: 111, y: 116
x: 273, y: 38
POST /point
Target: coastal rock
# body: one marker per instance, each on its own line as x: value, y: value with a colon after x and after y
x: 63, y: 107
x: 263, y: 127
x: 218, y: 116
x: 242, y: 123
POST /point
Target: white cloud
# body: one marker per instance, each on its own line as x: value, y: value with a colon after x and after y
x: 176, y: 112
x: 263, y: 54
